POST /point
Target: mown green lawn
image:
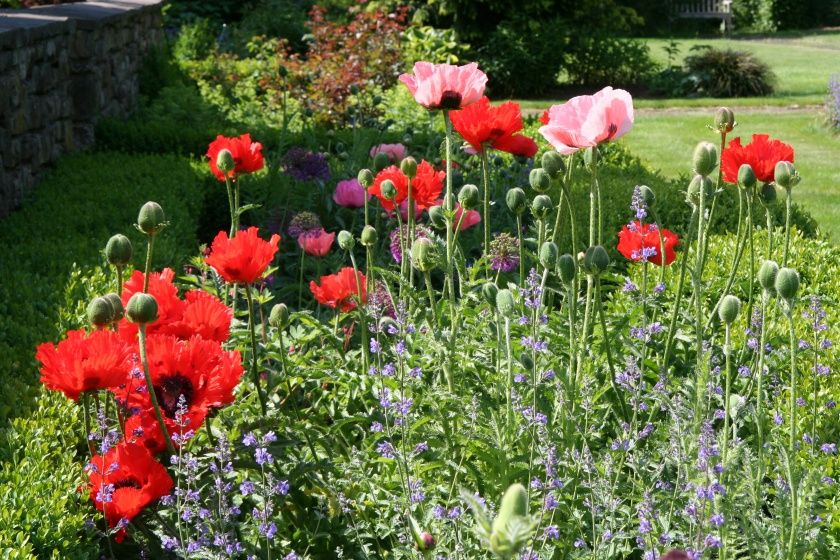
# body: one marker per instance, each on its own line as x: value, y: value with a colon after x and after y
x: 666, y: 140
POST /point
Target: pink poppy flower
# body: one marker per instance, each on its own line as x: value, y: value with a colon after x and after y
x: 445, y: 86
x: 471, y: 218
x: 587, y: 120
x: 350, y: 193
x: 395, y: 152
x: 317, y: 243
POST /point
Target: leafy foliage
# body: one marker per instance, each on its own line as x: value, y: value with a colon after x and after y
x: 728, y: 73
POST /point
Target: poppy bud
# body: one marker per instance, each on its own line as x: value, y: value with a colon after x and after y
x: 768, y: 194
x: 282, y: 71
x: 225, y: 162
x: 516, y: 200
x: 118, y: 250
x: 468, y: 197
x: 423, y: 254
x: 376, y: 99
x: 423, y: 539
x: 100, y: 312
x: 705, y: 158
x: 449, y: 202
x: 746, y: 176
x: 365, y: 178
x: 369, y: 236
x: 785, y: 175
x: 381, y: 161
x: 767, y: 276
x: 526, y: 361
x: 505, y: 304
x: 548, y: 255
x: 388, y: 189
x: 142, y: 308
x: 514, y: 504
x: 539, y: 179
x: 729, y: 308
x: 436, y: 217
x: 596, y: 260
x: 568, y: 267
x: 279, y: 316
x: 700, y: 182
x: 541, y: 206
x: 354, y: 89
x: 553, y: 164
x: 787, y: 283
x: 724, y: 120
x: 428, y: 542
x: 489, y: 291
x: 151, y: 219
x: 346, y: 240
x: 409, y: 167
x: 647, y: 195
x: 116, y: 306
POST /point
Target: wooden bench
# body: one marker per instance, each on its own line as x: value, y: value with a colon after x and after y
x: 706, y: 9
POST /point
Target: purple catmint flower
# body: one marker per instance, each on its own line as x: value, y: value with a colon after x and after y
x: 829, y: 448
x: 717, y: 519
x: 552, y: 532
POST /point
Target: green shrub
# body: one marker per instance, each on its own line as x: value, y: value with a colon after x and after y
x: 600, y: 60
x: 196, y: 40
x: 728, y: 73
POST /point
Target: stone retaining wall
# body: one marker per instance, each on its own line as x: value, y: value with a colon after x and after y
x: 61, y: 68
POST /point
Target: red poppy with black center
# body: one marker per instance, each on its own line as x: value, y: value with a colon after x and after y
x: 634, y: 238
x: 247, y: 155
x: 84, y: 362
x: 244, y: 258
x: 125, y: 480
x: 425, y: 187
x: 483, y: 125
x: 762, y: 154
x: 340, y: 291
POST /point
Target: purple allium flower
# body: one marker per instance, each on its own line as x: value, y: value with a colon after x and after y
x: 304, y: 165
x: 303, y: 223
x: 504, y: 253
x: 420, y: 232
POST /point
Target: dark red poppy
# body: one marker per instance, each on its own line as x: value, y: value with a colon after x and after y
x: 425, y: 187
x: 247, y: 155
x: 339, y: 290
x: 762, y: 154
x: 125, y: 480
x: 640, y: 242
x: 244, y: 258
x: 84, y: 362
x: 483, y: 125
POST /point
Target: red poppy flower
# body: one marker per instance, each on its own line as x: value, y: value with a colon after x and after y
x: 204, y: 315
x: 316, y: 243
x: 84, y: 362
x: 126, y: 480
x: 544, y: 117
x: 244, y: 258
x: 639, y: 242
x: 425, y: 187
x: 339, y: 290
x: 483, y: 125
x: 247, y: 155
x: 762, y: 154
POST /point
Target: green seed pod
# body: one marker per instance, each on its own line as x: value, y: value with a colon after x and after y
x: 118, y: 250
x: 746, y: 176
x: 516, y: 200
x: 468, y: 196
x: 100, y: 312
x: 369, y: 236
x: 142, y: 308
x: 409, y: 167
x: 768, y: 194
x: 388, y: 189
x: 553, y: 164
x: 526, y: 361
x: 539, y: 179
x: 697, y: 183
x: 116, y: 306
x: 541, y: 206
x: 225, y: 161
x: 437, y: 217
x: 346, y: 240
x: 729, y: 308
x: 505, y: 304
x: 704, y: 160
x: 548, y: 255
x: 785, y: 175
x: 647, y: 195
x: 724, y: 120
x: 568, y: 268
x: 424, y: 254
x: 767, y: 276
x: 514, y: 504
x: 151, y: 218
x: 596, y: 260
x: 381, y: 161
x: 489, y: 291
x: 365, y: 178
x: 279, y: 316
x: 787, y: 283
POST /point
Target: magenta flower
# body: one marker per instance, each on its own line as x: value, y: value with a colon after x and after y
x: 445, y: 86
x: 587, y: 120
x: 395, y: 152
x: 316, y: 243
x: 350, y: 193
x: 470, y: 219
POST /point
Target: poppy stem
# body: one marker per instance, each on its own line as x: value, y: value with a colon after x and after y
x: 672, y: 328
x: 230, y: 204
x: 410, y: 241
x: 485, y: 174
x: 149, y: 250
x: 788, y: 208
x: 151, y: 389
x: 86, y: 412
x: 521, y: 260
x: 360, y: 309
x: 794, y: 512
x: 428, y: 278
x: 252, y: 329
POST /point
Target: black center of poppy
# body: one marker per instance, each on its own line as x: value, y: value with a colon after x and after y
x: 169, y: 390
x: 127, y: 482
x: 495, y: 134
x: 613, y: 128
x: 450, y: 100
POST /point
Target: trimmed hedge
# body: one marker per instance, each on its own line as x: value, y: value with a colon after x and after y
x: 51, y: 265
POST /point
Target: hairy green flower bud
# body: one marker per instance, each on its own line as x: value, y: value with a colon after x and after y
x: 505, y: 304
x: 539, y: 179
x: 489, y: 291
x: 694, y: 188
x: 116, y: 306
x: 541, y: 206
x: 787, y: 283
x: 388, y: 189
x: 553, y: 164
x: 647, y: 195
x: 767, y: 276
x: 151, y: 218
x: 381, y: 161
x: 142, y: 308
x: 346, y: 240
x: 365, y: 178
x: 596, y: 260
x: 704, y: 160
x: 548, y: 255
x: 409, y: 167
x: 369, y: 236
x: 468, y: 196
x: 514, y: 504
x: 785, y: 175
x: 388, y: 325
x: 100, y: 312
x: 279, y: 316
x: 516, y: 200
x: 724, y: 120
x: 768, y: 194
x: 424, y: 254
x: 729, y: 308
x: 118, y: 250
x: 437, y: 217
x: 746, y: 176
x: 568, y: 268
x: 225, y: 161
